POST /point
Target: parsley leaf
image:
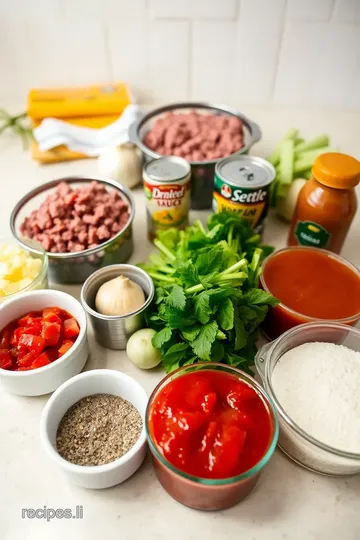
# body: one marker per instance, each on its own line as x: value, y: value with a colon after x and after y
x: 174, y: 355
x: 176, y: 298
x: 202, y: 344
x: 210, y: 261
x: 202, y: 307
x: 240, y: 334
x: 191, y: 333
x: 225, y: 314
x: 161, y: 337
x: 260, y: 297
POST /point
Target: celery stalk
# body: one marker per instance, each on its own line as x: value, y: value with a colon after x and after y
x: 274, y: 158
x: 318, y: 142
x: 286, y: 162
x: 306, y: 160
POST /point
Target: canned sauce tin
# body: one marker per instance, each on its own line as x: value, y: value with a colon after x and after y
x: 167, y: 192
x: 242, y: 184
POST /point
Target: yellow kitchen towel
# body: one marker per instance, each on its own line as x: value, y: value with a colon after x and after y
x: 76, y: 102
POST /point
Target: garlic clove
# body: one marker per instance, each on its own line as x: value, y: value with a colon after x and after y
x: 119, y: 296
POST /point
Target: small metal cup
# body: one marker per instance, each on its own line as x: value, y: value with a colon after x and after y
x: 113, y: 332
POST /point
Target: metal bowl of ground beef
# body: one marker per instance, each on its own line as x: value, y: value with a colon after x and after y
x: 82, y: 223
x: 201, y: 133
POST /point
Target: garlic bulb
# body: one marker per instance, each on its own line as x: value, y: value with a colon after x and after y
x: 121, y: 163
x: 119, y: 296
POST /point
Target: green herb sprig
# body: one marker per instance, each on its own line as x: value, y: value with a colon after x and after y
x: 17, y: 124
x: 207, y: 303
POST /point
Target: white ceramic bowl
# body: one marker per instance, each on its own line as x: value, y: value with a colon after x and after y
x: 98, y: 381
x: 45, y: 379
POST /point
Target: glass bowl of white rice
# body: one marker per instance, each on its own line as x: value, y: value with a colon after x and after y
x: 312, y: 374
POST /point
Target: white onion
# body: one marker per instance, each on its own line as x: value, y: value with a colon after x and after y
x: 141, y: 351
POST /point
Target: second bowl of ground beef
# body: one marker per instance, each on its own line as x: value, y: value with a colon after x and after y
x: 82, y: 223
x: 199, y: 132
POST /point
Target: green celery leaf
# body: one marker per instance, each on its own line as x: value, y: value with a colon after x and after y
x: 217, y: 351
x: 191, y: 333
x: 178, y: 319
x: 210, y: 261
x: 240, y: 334
x: 202, y: 307
x: 188, y: 274
x: 172, y: 358
x: 242, y: 362
x: 202, y: 344
x: 159, y: 295
x: 260, y: 297
x: 169, y: 237
x: 190, y: 361
x: 176, y: 298
x: 161, y: 337
x: 225, y: 314
x: 219, y: 293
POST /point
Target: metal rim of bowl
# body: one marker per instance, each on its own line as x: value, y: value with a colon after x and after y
x: 104, y: 270
x: 283, y: 414
x: 125, y: 192
x: 135, y: 138
x: 330, y: 254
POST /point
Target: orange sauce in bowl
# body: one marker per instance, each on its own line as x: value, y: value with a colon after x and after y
x: 310, y: 284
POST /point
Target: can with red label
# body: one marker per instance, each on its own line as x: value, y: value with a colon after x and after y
x: 167, y: 192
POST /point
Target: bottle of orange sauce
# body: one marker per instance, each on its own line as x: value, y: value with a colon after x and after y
x: 327, y: 203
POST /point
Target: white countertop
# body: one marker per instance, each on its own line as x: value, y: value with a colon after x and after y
x: 289, y: 503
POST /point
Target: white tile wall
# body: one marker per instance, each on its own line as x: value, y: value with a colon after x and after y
x: 290, y: 52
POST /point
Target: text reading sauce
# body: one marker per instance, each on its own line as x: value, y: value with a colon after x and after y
x: 210, y: 424
x: 313, y: 283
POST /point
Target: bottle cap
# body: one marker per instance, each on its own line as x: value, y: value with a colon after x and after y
x: 336, y: 170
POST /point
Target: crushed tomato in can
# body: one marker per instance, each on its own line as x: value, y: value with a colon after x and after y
x: 167, y: 192
x: 242, y: 184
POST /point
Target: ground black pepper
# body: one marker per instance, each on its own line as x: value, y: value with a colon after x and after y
x: 98, y: 429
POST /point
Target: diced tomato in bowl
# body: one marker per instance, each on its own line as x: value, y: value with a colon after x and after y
x: 37, y: 339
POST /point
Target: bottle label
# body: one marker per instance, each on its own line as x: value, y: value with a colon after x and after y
x: 309, y: 233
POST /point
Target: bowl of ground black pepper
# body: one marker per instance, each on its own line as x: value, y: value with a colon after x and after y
x: 93, y: 428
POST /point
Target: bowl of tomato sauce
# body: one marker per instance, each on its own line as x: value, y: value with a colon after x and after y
x: 312, y: 284
x: 211, y: 429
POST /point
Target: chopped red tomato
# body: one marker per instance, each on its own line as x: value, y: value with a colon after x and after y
x: 71, y: 328
x: 40, y: 361
x: 29, y: 320
x: 65, y: 347
x: 210, y: 424
x: 51, y: 332
x: 37, y: 339
x: 5, y: 338
x: 5, y: 359
x: 34, y: 344
x: 26, y: 360
x: 52, y: 353
x: 50, y: 316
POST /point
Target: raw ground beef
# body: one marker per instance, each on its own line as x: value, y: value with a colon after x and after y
x: 71, y: 220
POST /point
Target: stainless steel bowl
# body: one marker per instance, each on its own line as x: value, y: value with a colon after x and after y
x: 202, y: 177
x: 67, y: 268
x: 113, y: 332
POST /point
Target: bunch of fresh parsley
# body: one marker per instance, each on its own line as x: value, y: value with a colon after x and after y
x: 207, y: 303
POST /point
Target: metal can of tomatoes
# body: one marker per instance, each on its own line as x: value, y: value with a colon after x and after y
x: 242, y: 184
x: 167, y: 192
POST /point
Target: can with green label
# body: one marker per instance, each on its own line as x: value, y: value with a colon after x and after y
x: 242, y: 184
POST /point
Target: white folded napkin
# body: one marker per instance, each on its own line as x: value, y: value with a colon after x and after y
x: 90, y: 141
